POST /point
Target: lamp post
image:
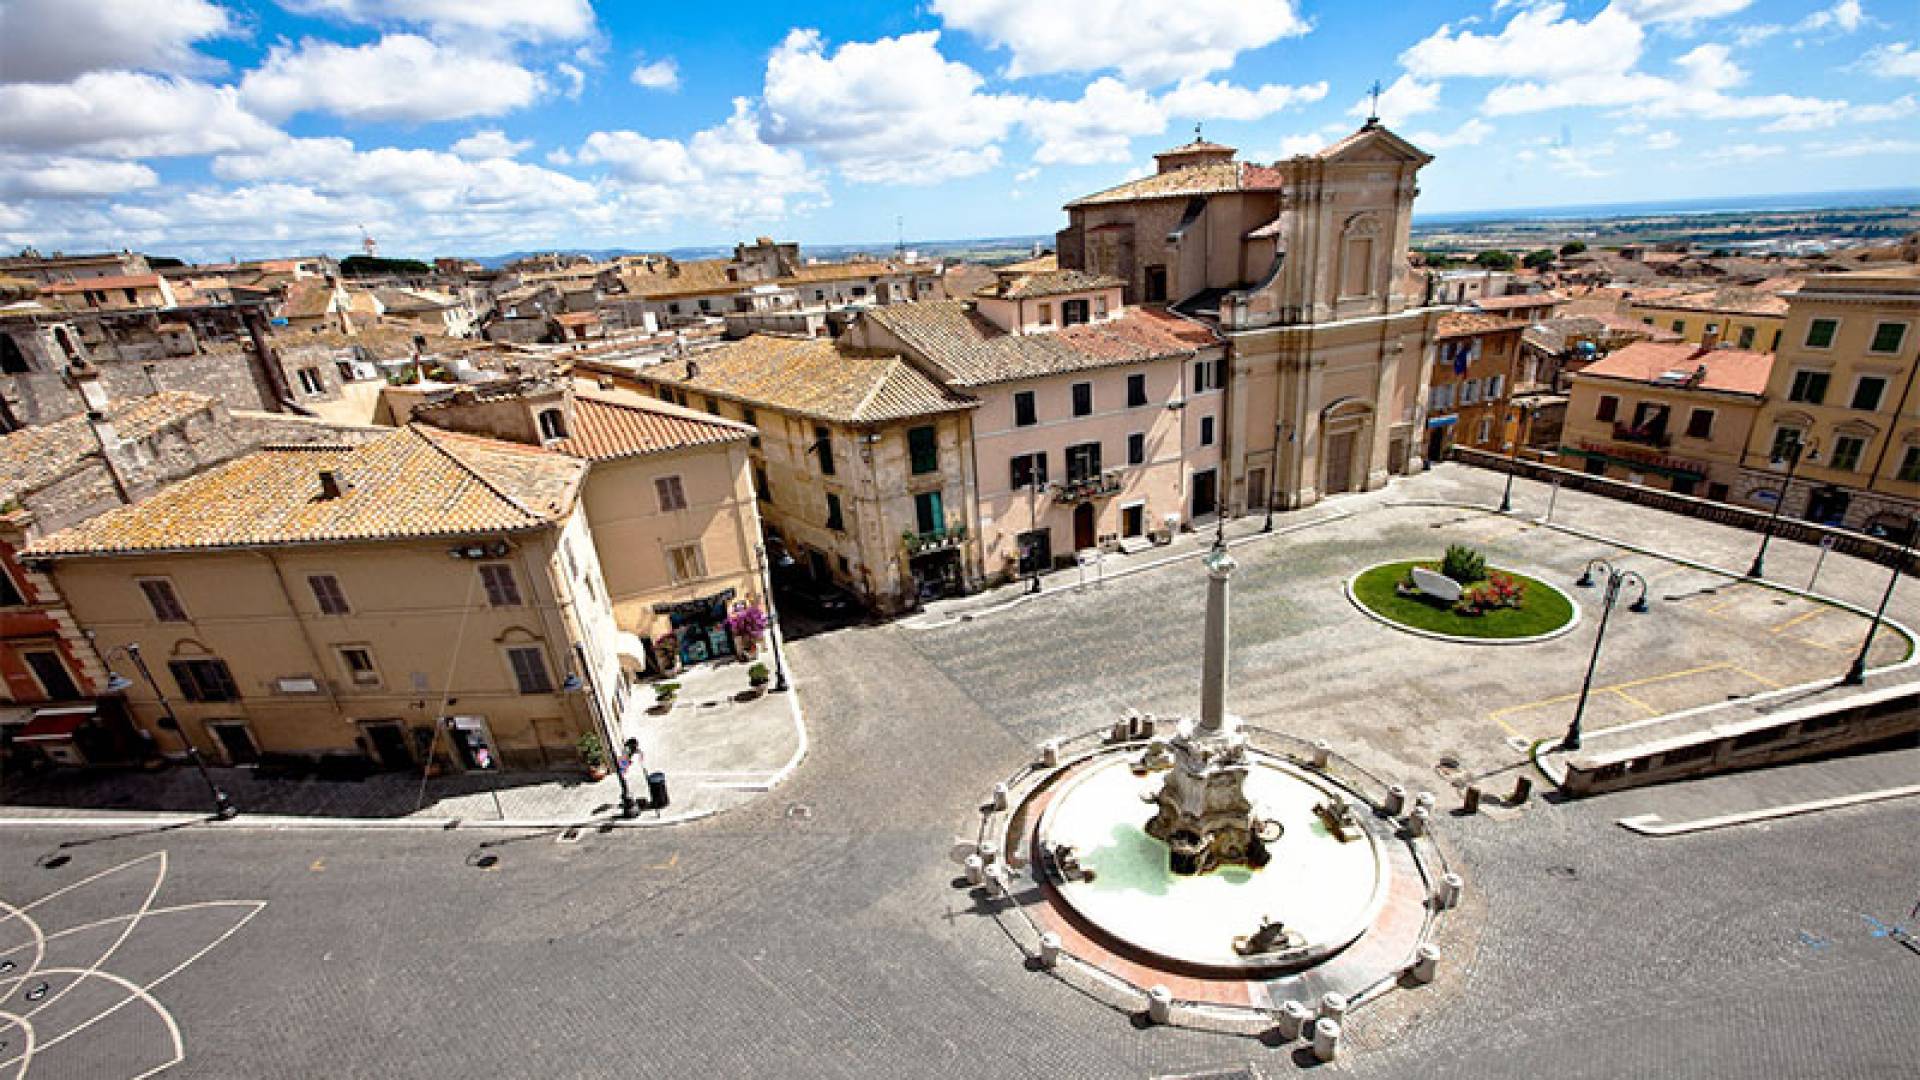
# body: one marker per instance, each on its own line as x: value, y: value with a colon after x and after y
x: 223, y: 807
x: 1033, y: 528
x: 583, y: 681
x: 1506, y: 496
x: 773, y: 620
x: 1857, y: 673
x: 1280, y: 433
x: 1796, y: 450
x: 1615, y: 579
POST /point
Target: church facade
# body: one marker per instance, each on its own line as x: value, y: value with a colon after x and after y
x: 1302, y: 267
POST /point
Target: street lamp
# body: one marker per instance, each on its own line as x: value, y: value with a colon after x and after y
x: 117, y: 683
x: 582, y: 681
x: 1857, y: 673
x: 1033, y: 528
x: 1794, y: 452
x: 1615, y: 579
x: 1281, y: 431
x: 1506, y: 496
x: 773, y: 620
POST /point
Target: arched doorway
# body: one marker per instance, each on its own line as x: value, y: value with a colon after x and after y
x: 1085, y: 532
x: 1344, y: 444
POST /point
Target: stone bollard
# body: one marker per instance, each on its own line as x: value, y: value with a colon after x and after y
x: 1049, y: 949
x: 1425, y: 800
x: 1146, y: 726
x: 1333, y: 1006
x: 1296, y: 1020
x: 1450, y: 886
x: 976, y: 870
x: 1471, y: 803
x: 997, y: 884
x: 1326, y: 1038
x: 1522, y: 788
x: 999, y: 796
x: 1418, y: 821
x: 1322, y: 753
x: 1396, y: 800
x: 1119, y: 732
x: 1426, y: 963
x: 1160, y: 1005
x: 1050, y: 753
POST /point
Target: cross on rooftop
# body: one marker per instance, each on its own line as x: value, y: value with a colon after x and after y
x: 1373, y: 111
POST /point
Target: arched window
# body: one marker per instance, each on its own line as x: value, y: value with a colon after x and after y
x: 553, y: 424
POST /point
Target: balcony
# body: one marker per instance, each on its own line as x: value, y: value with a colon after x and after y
x: 1091, y: 487
x: 1654, y: 437
x: 938, y: 540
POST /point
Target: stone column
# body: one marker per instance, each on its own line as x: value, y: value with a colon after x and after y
x: 1213, y: 671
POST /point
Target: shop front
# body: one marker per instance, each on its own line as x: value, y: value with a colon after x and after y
x: 699, y: 631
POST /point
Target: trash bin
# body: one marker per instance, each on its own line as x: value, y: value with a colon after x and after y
x: 657, y: 791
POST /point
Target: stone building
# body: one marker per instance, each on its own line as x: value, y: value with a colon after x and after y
x: 1476, y: 365
x: 1302, y: 266
x: 1744, y: 317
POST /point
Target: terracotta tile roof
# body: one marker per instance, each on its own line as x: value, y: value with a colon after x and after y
x: 690, y: 277
x: 838, y: 271
x: 1213, y: 178
x: 577, y: 318
x: 1517, y: 303
x: 1468, y: 323
x: 1733, y: 300
x: 609, y: 424
x: 116, y: 281
x: 34, y: 457
x: 975, y: 352
x: 1734, y: 371
x: 415, y: 483
x: 814, y: 377
x: 1029, y: 285
x: 1039, y: 264
x: 308, y: 300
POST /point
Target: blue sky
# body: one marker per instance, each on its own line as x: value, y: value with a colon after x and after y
x: 208, y: 128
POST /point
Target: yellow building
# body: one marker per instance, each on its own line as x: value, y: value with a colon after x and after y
x: 1843, y: 388
x: 1675, y: 416
x: 423, y: 594
x: 1476, y: 365
x: 125, y: 292
x: 1741, y: 317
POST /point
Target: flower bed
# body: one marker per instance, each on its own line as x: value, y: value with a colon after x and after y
x: 1541, y: 609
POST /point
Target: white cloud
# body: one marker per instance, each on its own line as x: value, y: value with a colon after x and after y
x: 1579, y: 162
x: 1897, y: 60
x: 1742, y: 152
x: 489, y: 143
x: 66, y: 178
x: 402, y: 77
x: 1472, y: 132
x: 1684, y: 12
x: 1706, y: 73
x: 1839, y: 112
x: 1026, y: 175
x: 524, y: 20
x: 576, y: 80
x: 1309, y: 142
x: 1662, y: 140
x: 1865, y: 147
x: 1536, y: 42
x: 125, y: 114
x: 1215, y: 100
x: 1150, y: 42
x: 656, y: 74
x: 887, y: 111
x: 54, y: 40
x: 426, y: 180
x: 1405, y: 98
x: 1100, y: 127
x: 1844, y: 17
x: 726, y: 174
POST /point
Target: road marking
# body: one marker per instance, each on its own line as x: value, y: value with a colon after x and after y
x: 1761, y: 679
x: 1650, y: 824
x: 668, y: 865
x: 1631, y: 700
x: 1798, y: 619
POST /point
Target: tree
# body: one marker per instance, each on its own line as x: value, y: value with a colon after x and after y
x: 1572, y: 247
x: 1538, y: 259
x: 366, y: 266
x: 1495, y: 259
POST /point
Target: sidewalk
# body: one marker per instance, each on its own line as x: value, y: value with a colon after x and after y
x: 717, y: 753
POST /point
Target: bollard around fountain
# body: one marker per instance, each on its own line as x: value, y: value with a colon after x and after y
x: 1522, y: 788
x: 1160, y: 1005
x: 1296, y: 1020
x: 1050, y: 753
x: 1419, y: 821
x: 1049, y: 949
x: 976, y: 870
x: 1425, y: 800
x: 989, y: 853
x: 1450, y: 886
x: 1322, y: 753
x: 1396, y: 800
x: 999, y: 796
x: 1426, y: 963
x: 1326, y: 1038
x: 1333, y: 1006
x: 1471, y: 802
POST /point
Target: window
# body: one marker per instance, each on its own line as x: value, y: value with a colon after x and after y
x: 1199, y: 376
x: 712, y: 405
x: 1485, y: 433
x: 1809, y: 386
x: 761, y: 489
x: 1024, y: 414
x: 834, y: 520
x: 1909, y: 466
x: 1700, y: 424
x: 204, y: 680
x: 685, y: 563
x: 823, y: 442
x: 1046, y: 314
x: 1746, y: 337
x: 749, y: 417
x: 1029, y: 470
x: 327, y: 593
x: 9, y: 593
x: 1220, y: 374
x: 1820, y: 333
x: 671, y: 493
x: 706, y: 305
x: 1136, y: 390
x: 530, y: 669
x: 1155, y: 279
x: 310, y: 381
x: 1100, y: 307
x: 1608, y: 409
x: 1679, y: 326
x: 1846, y: 452
x: 1887, y: 337
x: 1083, y: 399
x: 1206, y: 431
x: 502, y: 589
x: 1868, y: 392
x: 553, y: 424
x: 358, y: 660
x: 927, y: 514
x: 54, y: 680
x: 1137, y: 448
x: 923, y: 447
x: 163, y: 600
x: 1785, y: 439
x: 1775, y: 347
x: 1083, y: 462
x: 1470, y: 391
x: 1073, y: 312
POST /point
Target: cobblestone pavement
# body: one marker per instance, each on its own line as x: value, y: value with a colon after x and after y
x: 818, y: 932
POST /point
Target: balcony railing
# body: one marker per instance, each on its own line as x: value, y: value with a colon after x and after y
x: 937, y: 540
x: 1643, y: 436
x: 1091, y: 487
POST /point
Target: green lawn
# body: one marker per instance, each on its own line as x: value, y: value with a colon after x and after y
x: 1542, y: 611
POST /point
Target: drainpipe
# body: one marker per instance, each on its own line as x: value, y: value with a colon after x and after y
x: 313, y: 652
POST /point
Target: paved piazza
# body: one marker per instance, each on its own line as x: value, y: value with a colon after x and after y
x: 819, y: 931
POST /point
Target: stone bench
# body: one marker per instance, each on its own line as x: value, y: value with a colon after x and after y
x: 1439, y: 586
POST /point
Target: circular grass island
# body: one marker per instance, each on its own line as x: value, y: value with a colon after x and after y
x: 1545, y: 611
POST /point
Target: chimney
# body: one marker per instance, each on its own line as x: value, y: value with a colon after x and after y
x: 330, y: 487
x: 1710, y: 337
x: 693, y: 368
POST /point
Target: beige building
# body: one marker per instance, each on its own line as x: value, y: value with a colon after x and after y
x: 1671, y: 415
x: 1302, y: 265
x: 1477, y: 362
x: 1843, y: 387
x: 1744, y: 318
x: 128, y: 292
x: 861, y: 465
x: 424, y: 594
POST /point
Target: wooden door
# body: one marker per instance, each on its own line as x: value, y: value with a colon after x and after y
x: 1339, y: 462
x: 1084, y: 532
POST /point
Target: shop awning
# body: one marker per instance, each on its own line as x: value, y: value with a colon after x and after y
x: 1442, y: 421
x: 51, y: 725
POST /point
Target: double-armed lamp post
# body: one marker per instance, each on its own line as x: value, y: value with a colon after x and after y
x: 117, y: 683
x: 1615, y: 580
x: 1794, y: 453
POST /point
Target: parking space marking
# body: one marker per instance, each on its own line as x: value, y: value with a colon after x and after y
x: 1620, y: 691
x: 1631, y: 700
x: 1800, y: 618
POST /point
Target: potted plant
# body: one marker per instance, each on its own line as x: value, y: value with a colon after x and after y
x: 593, y: 755
x: 666, y: 652
x: 663, y: 695
x: 758, y: 678
x: 749, y: 623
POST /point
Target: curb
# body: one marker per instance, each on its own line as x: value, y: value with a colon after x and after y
x: 1434, y: 635
x: 1644, y: 824
x: 278, y: 823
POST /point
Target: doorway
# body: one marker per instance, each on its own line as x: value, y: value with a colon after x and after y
x: 1156, y: 284
x: 1828, y: 506
x: 1133, y: 520
x: 1036, y: 550
x: 1257, y: 489
x: 236, y: 742
x: 1206, y: 493
x: 388, y: 738
x: 472, y: 743
x: 1083, y: 527
x: 1339, y: 463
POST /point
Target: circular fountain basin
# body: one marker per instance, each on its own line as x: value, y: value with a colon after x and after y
x: 1326, y: 890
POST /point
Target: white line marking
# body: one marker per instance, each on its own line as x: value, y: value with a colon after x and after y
x: 1650, y: 825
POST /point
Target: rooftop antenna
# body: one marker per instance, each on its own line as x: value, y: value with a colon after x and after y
x: 367, y: 244
x: 1373, y: 110
x: 900, y: 245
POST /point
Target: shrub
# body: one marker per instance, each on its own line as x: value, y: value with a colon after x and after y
x: 757, y: 675
x: 1463, y: 564
x: 747, y: 621
x: 592, y: 754
x: 665, y: 691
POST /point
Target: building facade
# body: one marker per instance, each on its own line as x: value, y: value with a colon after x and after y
x: 1476, y: 365
x: 1676, y: 416
x: 1744, y: 318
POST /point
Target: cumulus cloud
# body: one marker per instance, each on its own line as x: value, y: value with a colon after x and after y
x: 1682, y: 12
x: 401, y: 77
x: 1406, y: 98
x: 1097, y: 128
x: 656, y: 74
x: 1662, y: 140
x: 1471, y: 132
x: 1216, y: 100
x: 1535, y: 43
x: 55, y: 40
x: 69, y: 178
x: 1150, y: 42
x: 1896, y: 60
x: 126, y: 114
x: 489, y: 143
x: 728, y: 174
x: 523, y: 20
